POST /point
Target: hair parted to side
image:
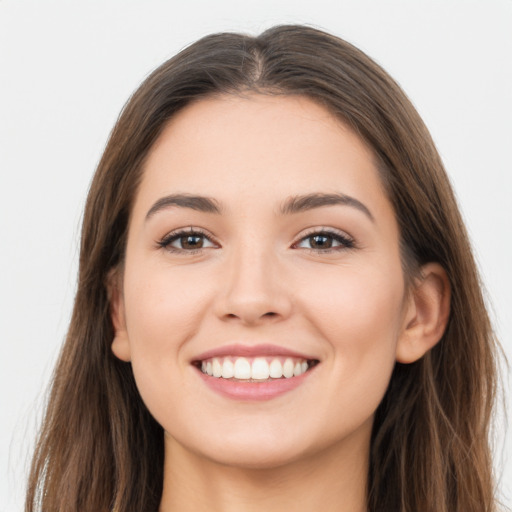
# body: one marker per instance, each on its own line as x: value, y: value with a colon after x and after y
x: 100, y: 449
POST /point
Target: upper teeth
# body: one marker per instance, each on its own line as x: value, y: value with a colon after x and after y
x: 259, y: 368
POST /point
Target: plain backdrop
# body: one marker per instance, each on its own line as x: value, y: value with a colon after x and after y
x: 66, y: 69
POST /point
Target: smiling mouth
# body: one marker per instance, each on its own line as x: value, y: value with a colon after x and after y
x: 255, y: 369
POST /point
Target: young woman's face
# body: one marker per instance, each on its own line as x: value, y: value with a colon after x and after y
x: 261, y: 242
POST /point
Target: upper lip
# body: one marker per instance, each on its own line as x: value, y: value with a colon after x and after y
x: 239, y: 350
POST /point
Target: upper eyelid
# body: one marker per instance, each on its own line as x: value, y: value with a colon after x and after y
x: 323, y: 230
x: 177, y: 233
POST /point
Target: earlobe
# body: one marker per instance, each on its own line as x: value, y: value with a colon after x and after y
x: 427, y: 314
x: 120, y: 343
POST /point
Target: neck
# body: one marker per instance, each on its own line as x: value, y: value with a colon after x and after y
x: 333, y: 480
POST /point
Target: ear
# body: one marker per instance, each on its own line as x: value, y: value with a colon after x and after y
x: 120, y: 344
x: 426, y: 315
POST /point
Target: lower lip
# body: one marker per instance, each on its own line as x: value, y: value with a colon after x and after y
x: 253, y: 391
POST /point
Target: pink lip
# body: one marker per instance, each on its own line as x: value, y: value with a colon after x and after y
x: 253, y: 391
x: 250, y: 351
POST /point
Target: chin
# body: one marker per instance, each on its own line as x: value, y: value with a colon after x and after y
x: 255, y: 457
x: 257, y: 448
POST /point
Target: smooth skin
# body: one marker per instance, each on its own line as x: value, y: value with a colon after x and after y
x: 325, y: 281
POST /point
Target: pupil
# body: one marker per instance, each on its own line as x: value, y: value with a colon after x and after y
x: 191, y: 242
x: 321, y: 241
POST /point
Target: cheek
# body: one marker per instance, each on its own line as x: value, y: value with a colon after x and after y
x: 163, y: 313
x: 162, y: 310
x: 361, y: 320
x: 365, y: 302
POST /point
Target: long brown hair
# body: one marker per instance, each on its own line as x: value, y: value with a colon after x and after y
x: 100, y: 449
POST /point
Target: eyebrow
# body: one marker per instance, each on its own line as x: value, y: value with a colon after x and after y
x: 296, y: 204
x: 292, y: 205
x: 199, y: 203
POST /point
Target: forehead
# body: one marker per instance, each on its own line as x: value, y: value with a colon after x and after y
x: 258, y: 146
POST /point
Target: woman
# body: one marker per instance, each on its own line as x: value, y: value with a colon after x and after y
x: 277, y: 304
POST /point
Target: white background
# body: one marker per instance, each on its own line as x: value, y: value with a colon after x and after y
x: 67, y: 68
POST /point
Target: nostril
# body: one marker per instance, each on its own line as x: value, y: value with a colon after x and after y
x: 269, y: 314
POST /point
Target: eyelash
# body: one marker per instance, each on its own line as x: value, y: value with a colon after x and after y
x: 168, y: 239
x: 344, y: 240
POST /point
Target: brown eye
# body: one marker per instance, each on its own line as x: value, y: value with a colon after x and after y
x: 186, y: 241
x: 320, y: 242
x: 324, y: 241
x: 191, y: 242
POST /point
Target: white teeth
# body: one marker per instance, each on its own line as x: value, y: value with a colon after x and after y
x: 288, y: 368
x: 228, y: 369
x: 242, y: 368
x: 276, y: 369
x: 216, y: 367
x: 259, y: 368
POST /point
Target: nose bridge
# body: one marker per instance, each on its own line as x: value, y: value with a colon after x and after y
x: 253, y: 290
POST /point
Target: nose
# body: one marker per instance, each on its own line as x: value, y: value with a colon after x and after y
x: 253, y: 290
